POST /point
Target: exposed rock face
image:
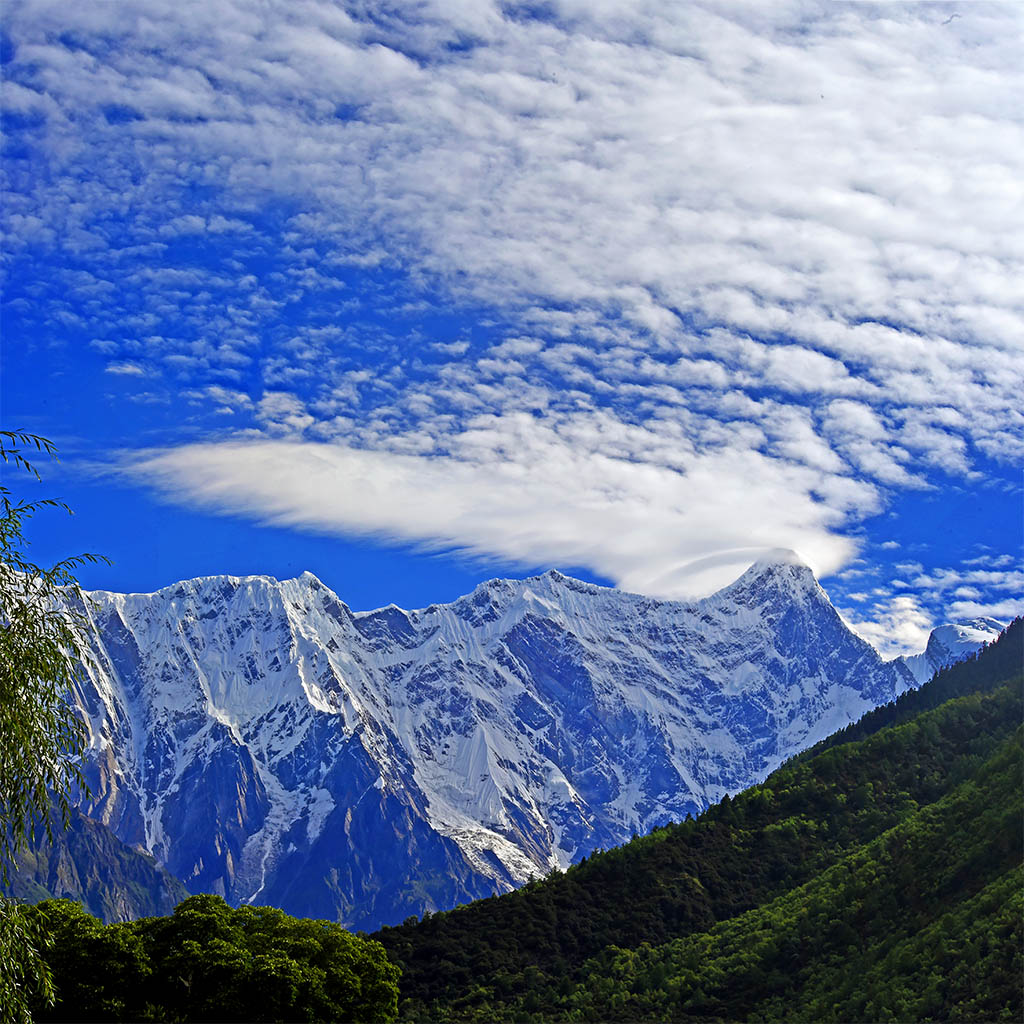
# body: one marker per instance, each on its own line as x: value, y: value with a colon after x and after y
x: 87, y: 862
x: 264, y: 742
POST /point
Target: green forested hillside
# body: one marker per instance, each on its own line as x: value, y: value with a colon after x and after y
x: 924, y: 923
x: 1000, y: 662
x: 878, y: 879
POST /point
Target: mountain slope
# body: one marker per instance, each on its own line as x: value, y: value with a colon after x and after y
x: 947, y: 764
x: 925, y: 920
x: 265, y: 743
x: 89, y: 863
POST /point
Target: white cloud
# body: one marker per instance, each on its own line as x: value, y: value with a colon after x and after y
x: 1004, y: 610
x: 1010, y: 580
x: 899, y: 623
x: 283, y: 413
x: 897, y: 626
x: 521, y: 491
x: 125, y: 369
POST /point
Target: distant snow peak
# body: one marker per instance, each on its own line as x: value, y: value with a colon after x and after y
x: 947, y: 644
x: 965, y: 637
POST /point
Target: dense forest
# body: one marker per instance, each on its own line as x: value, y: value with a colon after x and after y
x: 210, y: 962
x: 876, y: 877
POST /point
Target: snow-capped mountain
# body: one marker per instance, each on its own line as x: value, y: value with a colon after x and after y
x: 263, y: 741
x: 950, y: 643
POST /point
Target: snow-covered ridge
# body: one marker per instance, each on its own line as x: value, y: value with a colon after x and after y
x: 264, y: 741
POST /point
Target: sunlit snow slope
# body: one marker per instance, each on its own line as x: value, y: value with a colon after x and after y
x: 264, y: 742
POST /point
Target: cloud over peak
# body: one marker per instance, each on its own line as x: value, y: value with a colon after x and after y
x: 647, y: 527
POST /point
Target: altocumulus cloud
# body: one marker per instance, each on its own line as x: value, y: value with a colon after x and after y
x: 757, y: 266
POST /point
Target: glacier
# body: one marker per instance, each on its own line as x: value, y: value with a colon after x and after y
x: 264, y: 742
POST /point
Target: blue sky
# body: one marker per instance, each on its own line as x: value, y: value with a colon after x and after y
x: 410, y: 295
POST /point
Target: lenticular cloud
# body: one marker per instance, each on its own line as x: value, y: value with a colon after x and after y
x: 647, y: 528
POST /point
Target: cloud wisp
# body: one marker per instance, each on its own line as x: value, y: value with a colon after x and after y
x: 649, y: 528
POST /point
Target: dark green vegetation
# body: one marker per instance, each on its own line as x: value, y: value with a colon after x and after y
x: 209, y: 962
x: 878, y: 877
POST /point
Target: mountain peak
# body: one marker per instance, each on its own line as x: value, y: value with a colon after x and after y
x: 777, y: 572
x: 954, y: 640
x: 250, y: 723
x: 776, y: 557
x: 778, y: 565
